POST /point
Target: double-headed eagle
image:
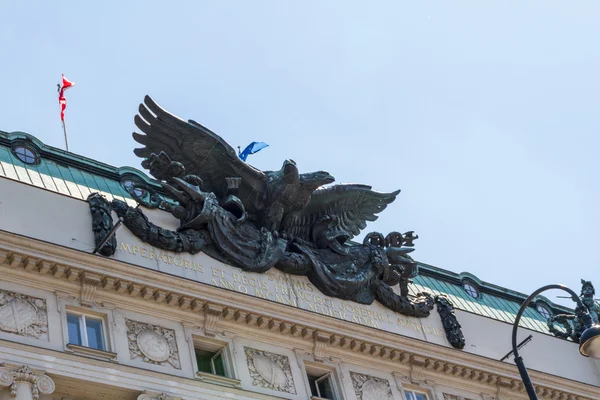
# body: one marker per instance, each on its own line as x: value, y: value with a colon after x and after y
x: 280, y: 201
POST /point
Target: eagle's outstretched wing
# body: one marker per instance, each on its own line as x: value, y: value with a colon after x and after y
x: 352, y: 204
x: 201, y: 151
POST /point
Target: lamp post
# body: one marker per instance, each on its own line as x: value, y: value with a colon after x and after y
x: 589, y: 343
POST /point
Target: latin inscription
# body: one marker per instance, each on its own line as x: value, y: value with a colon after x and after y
x: 281, y: 288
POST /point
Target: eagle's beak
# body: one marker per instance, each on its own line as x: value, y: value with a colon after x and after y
x: 328, y: 178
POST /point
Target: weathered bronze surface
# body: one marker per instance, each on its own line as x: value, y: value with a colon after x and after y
x: 258, y: 220
x: 572, y: 324
x: 102, y: 223
x: 451, y: 326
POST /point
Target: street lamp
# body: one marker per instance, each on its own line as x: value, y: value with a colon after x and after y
x: 589, y: 343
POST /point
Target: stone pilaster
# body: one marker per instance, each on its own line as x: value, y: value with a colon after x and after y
x: 24, y: 384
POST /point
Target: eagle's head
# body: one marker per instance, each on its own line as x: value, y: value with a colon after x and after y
x: 317, y: 179
x: 289, y: 170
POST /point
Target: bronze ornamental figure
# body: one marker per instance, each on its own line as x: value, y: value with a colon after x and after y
x: 258, y: 220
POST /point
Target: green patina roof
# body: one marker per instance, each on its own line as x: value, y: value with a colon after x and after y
x: 66, y: 173
x: 77, y: 176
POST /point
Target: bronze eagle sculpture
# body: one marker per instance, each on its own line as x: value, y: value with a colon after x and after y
x: 297, y: 223
x: 283, y: 201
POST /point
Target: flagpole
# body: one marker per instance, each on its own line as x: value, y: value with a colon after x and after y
x: 63, y: 104
x: 65, y: 131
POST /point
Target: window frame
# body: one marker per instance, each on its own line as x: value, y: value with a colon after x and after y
x: 213, y: 368
x: 67, y: 304
x: 469, y: 287
x: 414, y: 392
x: 323, y: 371
x: 327, y: 376
x: 221, y: 346
x: 542, y: 306
x: 128, y: 183
x: 81, y: 316
x: 27, y: 149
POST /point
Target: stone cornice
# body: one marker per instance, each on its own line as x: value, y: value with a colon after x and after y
x: 187, y: 300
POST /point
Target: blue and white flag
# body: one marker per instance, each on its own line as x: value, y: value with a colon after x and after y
x: 252, y: 148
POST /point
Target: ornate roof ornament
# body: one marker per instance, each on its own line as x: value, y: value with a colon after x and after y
x: 257, y: 220
x: 571, y: 325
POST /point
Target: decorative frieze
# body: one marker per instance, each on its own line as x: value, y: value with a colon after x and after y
x: 152, y: 343
x: 367, y: 387
x: 433, y: 365
x: 270, y: 370
x: 23, y: 315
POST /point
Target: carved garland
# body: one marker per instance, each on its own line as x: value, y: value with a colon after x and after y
x: 270, y: 370
x: 23, y: 315
x: 152, y: 343
x: 367, y: 387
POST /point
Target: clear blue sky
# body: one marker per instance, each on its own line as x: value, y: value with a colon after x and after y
x: 485, y: 113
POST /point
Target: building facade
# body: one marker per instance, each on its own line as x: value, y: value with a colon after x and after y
x: 145, y: 323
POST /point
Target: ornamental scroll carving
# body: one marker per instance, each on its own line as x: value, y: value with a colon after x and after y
x: 270, y: 370
x: 367, y: 387
x: 152, y: 343
x: 38, y: 383
x: 23, y: 315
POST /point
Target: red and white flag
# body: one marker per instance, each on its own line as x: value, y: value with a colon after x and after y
x: 61, y: 96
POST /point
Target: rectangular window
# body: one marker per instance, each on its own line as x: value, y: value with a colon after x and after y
x: 211, y: 362
x: 212, y: 357
x: 412, y: 395
x: 85, y: 330
x: 321, y: 385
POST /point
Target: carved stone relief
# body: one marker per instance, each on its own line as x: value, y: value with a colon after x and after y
x: 152, y: 343
x: 454, y: 397
x: 270, y: 370
x: 27, y: 380
x: 368, y: 387
x: 148, y: 395
x: 23, y: 315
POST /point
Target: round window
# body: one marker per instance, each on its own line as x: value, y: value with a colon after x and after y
x: 471, y: 290
x: 130, y: 186
x: 25, y: 154
x: 544, y: 311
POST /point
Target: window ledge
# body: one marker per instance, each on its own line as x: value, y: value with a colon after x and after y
x: 318, y: 398
x: 219, y: 380
x: 88, y: 351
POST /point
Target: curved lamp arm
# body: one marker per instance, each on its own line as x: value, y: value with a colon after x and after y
x: 518, y: 359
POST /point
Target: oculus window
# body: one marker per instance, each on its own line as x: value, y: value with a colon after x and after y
x: 471, y: 289
x: 544, y: 311
x: 25, y: 154
x: 133, y: 188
